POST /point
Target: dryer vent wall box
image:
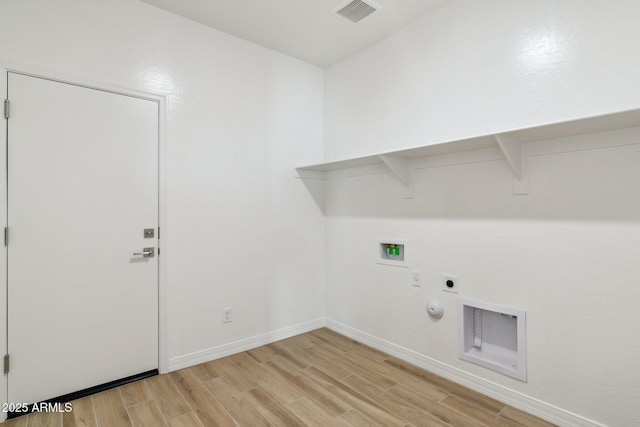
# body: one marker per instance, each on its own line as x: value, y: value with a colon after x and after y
x: 392, y: 252
x: 492, y: 336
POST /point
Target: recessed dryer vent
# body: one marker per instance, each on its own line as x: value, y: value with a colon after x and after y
x: 492, y: 336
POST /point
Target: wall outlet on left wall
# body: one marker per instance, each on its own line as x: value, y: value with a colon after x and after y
x: 226, y: 315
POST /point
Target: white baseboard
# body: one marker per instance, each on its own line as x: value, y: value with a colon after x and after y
x: 224, y: 350
x: 513, y: 398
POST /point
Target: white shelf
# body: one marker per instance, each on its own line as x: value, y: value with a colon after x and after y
x: 434, y: 149
x: 509, y: 141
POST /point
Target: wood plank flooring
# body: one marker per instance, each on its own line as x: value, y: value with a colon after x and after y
x: 319, y: 378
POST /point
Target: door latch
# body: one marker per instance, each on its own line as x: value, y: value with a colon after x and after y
x: 146, y: 252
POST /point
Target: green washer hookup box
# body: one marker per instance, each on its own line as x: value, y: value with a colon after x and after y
x: 392, y: 251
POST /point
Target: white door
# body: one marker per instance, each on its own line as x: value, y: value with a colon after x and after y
x: 82, y: 187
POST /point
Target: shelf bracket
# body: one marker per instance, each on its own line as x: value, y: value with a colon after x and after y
x: 314, y: 181
x: 514, y: 153
x: 399, y: 166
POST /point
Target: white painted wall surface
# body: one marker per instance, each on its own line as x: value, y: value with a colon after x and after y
x: 478, y: 67
x: 566, y: 253
x: 238, y: 230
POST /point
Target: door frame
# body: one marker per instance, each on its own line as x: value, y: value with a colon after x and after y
x: 162, y: 100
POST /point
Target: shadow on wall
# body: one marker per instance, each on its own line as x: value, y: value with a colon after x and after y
x: 588, y: 185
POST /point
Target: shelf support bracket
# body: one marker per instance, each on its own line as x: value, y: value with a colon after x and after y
x: 514, y: 153
x: 399, y: 166
x: 314, y: 181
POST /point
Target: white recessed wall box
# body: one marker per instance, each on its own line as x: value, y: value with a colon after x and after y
x: 392, y: 252
x: 492, y: 336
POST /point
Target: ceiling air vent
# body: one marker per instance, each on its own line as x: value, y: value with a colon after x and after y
x: 356, y: 10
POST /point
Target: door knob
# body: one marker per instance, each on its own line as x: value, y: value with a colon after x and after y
x: 146, y: 252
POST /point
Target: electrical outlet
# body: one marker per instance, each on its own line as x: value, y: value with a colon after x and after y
x: 450, y: 283
x: 226, y: 315
x: 415, y: 279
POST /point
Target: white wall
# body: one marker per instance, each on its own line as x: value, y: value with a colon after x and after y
x: 238, y: 230
x: 566, y: 253
x: 477, y: 67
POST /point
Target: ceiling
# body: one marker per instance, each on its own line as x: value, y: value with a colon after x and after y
x: 305, y: 29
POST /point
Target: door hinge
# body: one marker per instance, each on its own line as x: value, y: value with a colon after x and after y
x: 6, y: 364
x: 6, y: 236
x: 7, y: 108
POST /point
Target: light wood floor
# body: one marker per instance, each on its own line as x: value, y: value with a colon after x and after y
x: 316, y: 379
